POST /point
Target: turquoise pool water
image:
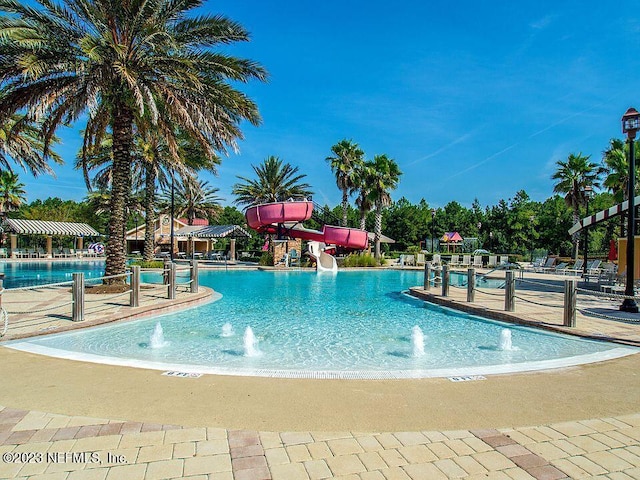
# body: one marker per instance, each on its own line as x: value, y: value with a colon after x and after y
x: 353, y: 324
x: 26, y: 274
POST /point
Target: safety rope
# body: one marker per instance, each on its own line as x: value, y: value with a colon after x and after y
x: 608, y: 317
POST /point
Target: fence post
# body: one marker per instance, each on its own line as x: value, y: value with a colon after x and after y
x: 165, y: 271
x: 427, y: 275
x: 77, y: 296
x: 510, y: 291
x: 570, y: 298
x: 134, y: 295
x: 471, y: 284
x: 445, y: 280
x: 194, y: 276
x: 172, y: 281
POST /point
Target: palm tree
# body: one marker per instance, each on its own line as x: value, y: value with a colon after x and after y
x: 125, y: 62
x: 616, y: 167
x: 22, y: 143
x: 362, y: 186
x: 275, y: 182
x: 193, y: 198
x: 12, y: 193
x: 572, y: 177
x: 347, y: 156
x: 385, y: 176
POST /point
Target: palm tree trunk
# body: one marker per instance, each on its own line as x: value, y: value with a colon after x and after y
x: 576, y: 237
x: 378, y: 229
x: 149, y: 212
x: 363, y: 220
x: 121, y: 185
x: 345, y: 206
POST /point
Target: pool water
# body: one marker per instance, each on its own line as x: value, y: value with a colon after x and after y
x: 356, y: 324
x: 27, y: 274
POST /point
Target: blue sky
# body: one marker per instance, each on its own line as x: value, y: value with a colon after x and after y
x: 472, y: 99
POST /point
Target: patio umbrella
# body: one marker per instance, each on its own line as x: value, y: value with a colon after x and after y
x: 613, y: 251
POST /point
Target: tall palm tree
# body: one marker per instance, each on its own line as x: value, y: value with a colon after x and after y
x: 385, y: 176
x: 12, y: 193
x: 572, y: 176
x: 347, y: 156
x: 275, y: 182
x: 362, y: 187
x: 121, y: 62
x: 193, y: 198
x: 616, y: 167
x: 21, y: 142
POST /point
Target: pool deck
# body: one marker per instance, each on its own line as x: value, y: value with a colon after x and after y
x: 577, y: 422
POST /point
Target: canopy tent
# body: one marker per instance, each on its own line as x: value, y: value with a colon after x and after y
x: 451, y: 239
x: 15, y: 227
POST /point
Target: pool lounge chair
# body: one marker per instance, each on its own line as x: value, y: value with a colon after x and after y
x: 466, y: 261
x: 435, y: 260
x: 504, y: 259
x: 493, y: 261
x: 477, y: 261
x: 420, y: 259
x: 455, y: 261
x: 560, y: 269
x: 576, y: 268
x: 548, y: 265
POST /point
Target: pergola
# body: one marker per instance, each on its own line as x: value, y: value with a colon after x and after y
x: 210, y: 232
x: 17, y: 227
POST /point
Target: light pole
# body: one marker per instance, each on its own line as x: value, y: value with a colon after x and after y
x: 587, y: 195
x: 630, y: 125
x: 173, y: 193
x: 532, y: 219
x: 479, y: 232
x: 491, y: 241
x: 433, y: 228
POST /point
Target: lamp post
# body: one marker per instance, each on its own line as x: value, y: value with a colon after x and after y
x: 479, y: 232
x: 532, y: 220
x: 630, y: 125
x: 433, y: 228
x: 587, y: 195
x: 491, y: 241
x: 173, y: 193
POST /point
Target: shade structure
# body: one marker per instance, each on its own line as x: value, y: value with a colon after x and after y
x: 451, y: 237
x: 42, y: 227
x: 212, y: 231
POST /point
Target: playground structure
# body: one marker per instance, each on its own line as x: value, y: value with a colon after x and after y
x: 285, y: 219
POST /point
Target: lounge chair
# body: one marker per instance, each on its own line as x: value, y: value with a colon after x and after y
x: 477, y: 261
x: 561, y: 268
x: 593, y: 267
x: 436, y: 259
x: 466, y: 261
x: 504, y: 259
x: 420, y: 259
x: 576, y: 268
x: 548, y: 265
x: 493, y: 261
x: 3, y: 253
x: 455, y: 261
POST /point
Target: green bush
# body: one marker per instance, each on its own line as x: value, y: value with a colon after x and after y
x: 363, y: 260
x: 266, y: 260
x: 151, y: 264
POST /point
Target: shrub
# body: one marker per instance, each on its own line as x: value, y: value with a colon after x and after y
x: 362, y: 260
x: 151, y: 264
x: 266, y: 260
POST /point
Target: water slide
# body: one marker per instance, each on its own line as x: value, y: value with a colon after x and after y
x: 284, y: 218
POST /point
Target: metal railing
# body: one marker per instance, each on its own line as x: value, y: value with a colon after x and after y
x: 78, y: 302
x: 570, y: 292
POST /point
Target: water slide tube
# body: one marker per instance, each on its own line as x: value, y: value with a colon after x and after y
x: 324, y: 261
x: 283, y: 217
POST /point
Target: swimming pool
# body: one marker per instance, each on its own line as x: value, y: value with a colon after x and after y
x: 357, y: 324
x: 26, y: 274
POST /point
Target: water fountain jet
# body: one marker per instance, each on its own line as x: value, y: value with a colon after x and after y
x: 250, y: 343
x: 157, y: 337
x: 227, y: 330
x: 417, y: 340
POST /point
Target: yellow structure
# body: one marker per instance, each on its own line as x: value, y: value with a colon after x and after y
x: 622, y: 256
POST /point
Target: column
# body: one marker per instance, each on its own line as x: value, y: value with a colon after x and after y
x: 14, y: 244
x: 49, y: 246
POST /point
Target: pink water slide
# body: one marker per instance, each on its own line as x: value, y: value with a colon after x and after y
x: 268, y: 216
